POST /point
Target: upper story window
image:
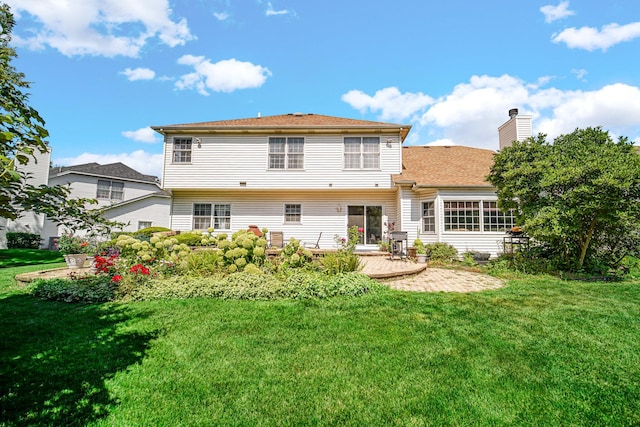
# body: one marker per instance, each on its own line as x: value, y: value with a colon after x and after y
x: 182, y: 150
x: 361, y: 152
x: 293, y: 213
x: 286, y: 153
x: 110, y: 190
x: 428, y: 218
x: 496, y: 220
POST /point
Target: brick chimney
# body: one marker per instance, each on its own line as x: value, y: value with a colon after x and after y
x: 517, y: 128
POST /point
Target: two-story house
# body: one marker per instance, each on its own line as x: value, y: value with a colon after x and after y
x: 307, y: 174
x: 302, y: 174
x: 126, y: 195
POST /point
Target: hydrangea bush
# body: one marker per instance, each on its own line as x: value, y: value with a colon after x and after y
x: 155, y: 267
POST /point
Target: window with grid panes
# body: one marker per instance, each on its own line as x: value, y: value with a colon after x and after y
x: 182, y: 150
x: 494, y: 219
x: 222, y: 217
x: 461, y: 216
x: 201, y: 216
x: 110, y: 190
x: 293, y: 213
x: 361, y: 152
x: 286, y: 153
x: 428, y: 217
x: 143, y: 224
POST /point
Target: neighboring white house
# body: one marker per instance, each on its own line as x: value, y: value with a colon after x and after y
x: 126, y: 195
x: 310, y: 175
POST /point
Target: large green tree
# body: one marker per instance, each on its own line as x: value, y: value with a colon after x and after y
x: 22, y: 134
x: 579, y: 196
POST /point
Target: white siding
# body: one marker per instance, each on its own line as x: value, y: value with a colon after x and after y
x: 86, y: 186
x: 38, y: 170
x: 322, y: 211
x: 152, y: 209
x: 223, y: 162
x: 3, y: 233
x: 516, y: 129
x: 481, y: 241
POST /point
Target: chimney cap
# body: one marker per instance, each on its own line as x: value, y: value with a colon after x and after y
x: 513, y: 112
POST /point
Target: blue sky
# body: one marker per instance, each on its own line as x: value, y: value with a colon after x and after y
x: 103, y: 71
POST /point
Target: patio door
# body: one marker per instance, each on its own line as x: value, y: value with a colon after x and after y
x: 369, y: 218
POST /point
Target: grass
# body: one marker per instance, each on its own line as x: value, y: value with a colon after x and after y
x: 18, y: 257
x: 537, y: 352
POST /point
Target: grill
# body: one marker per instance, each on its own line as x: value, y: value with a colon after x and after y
x: 398, y: 244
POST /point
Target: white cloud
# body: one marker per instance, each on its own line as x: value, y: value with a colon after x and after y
x: 272, y: 12
x: 472, y: 112
x: 99, y: 27
x: 442, y: 142
x: 221, y: 16
x: 580, y: 73
x: 138, y: 74
x: 146, y: 135
x: 392, y: 104
x: 554, y: 13
x: 223, y: 76
x: 616, y: 107
x: 590, y: 38
x: 143, y: 162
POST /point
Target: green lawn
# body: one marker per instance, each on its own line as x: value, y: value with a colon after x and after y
x: 537, y: 352
x: 16, y: 257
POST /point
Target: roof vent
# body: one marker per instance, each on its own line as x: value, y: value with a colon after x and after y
x: 298, y: 114
x: 513, y: 112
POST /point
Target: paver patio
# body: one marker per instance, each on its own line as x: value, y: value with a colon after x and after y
x: 409, y: 276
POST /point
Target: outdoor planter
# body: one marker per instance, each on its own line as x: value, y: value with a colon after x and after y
x: 422, y: 258
x: 75, y: 260
x: 481, y: 257
x: 412, y: 252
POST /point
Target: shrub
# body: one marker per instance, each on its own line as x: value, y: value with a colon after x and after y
x: 468, y: 259
x: 344, y: 260
x: 293, y: 255
x: 245, y: 285
x: 18, y: 240
x: 533, y: 260
x: 149, y: 231
x: 320, y: 285
x: 203, y: 262
x: 441, y: 252
x: 189, y: 239
x: 338, y: 262
x: 89, y: 289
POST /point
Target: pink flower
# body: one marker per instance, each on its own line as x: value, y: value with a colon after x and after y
x: 344, y: 239
x: 360, y: 230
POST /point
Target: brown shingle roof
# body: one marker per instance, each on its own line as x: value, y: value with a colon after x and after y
x: 294, y: 121
x: 438, y: 166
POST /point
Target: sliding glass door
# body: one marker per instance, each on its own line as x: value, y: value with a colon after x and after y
x: 369, y: 218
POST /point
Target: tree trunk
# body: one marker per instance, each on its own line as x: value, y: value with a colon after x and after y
x: 585, y: 245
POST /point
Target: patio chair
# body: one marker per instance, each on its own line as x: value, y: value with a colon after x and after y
x: 312, y: 245
x: 276, y: 239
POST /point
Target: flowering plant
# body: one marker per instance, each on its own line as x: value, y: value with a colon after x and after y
x: 69, y: 244
x: 140, y: 269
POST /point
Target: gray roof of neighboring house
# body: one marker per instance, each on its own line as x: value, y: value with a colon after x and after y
x: 112, y: 170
